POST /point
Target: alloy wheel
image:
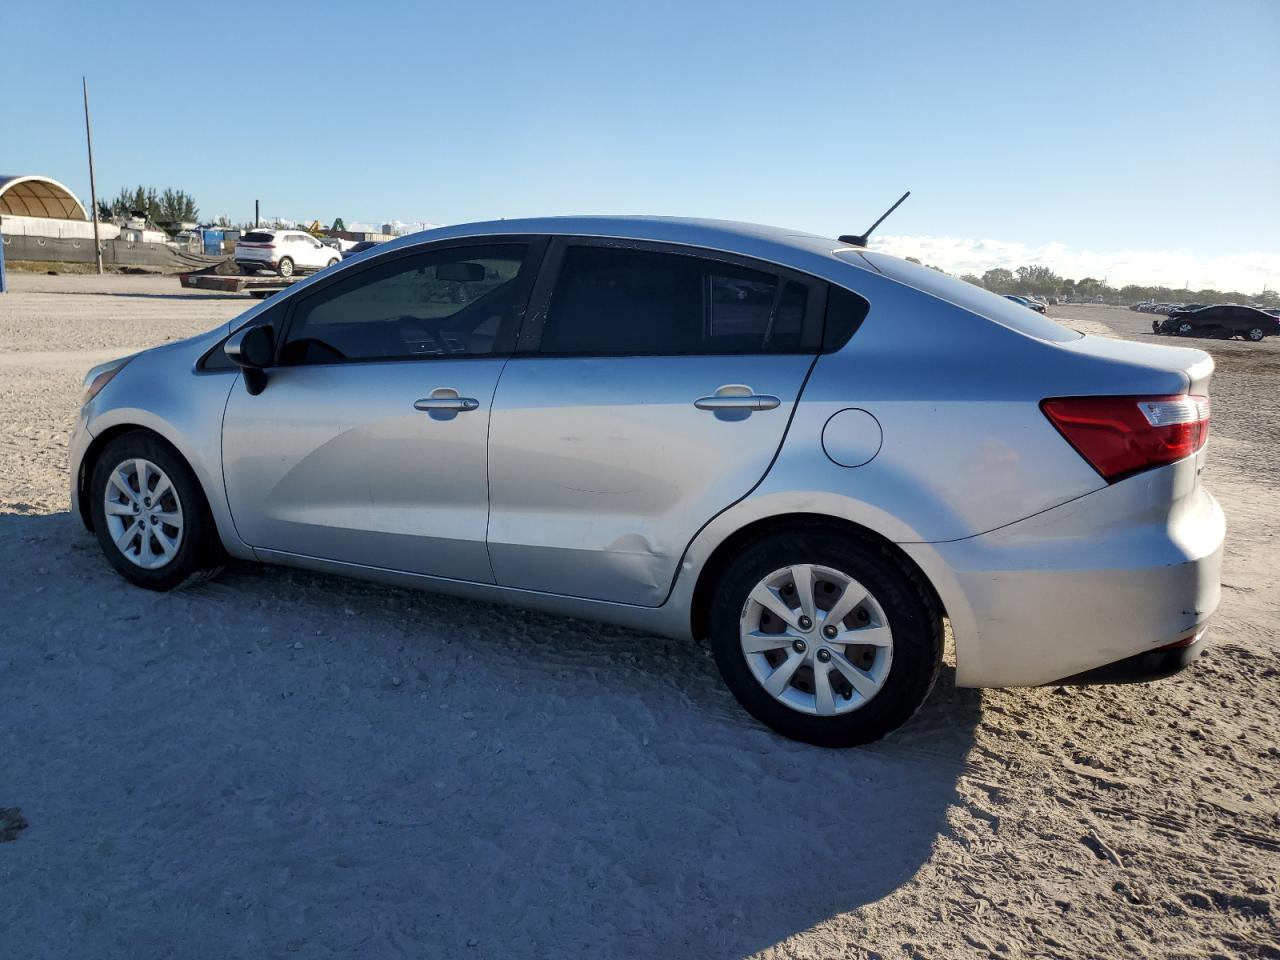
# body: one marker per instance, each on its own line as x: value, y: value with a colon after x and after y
x: 143, y: 513
x: 816, y: 640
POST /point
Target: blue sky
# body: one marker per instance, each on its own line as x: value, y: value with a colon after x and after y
x: 1147, y: 128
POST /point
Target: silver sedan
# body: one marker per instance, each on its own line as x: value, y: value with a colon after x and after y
x: 806, y: 453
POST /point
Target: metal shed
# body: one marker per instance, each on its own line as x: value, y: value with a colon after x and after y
x: 39, y: 197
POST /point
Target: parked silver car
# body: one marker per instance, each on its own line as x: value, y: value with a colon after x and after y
x: 803, y: 451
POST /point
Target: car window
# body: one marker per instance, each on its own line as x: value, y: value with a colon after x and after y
x: 619, y: 302
x: 457, y: 302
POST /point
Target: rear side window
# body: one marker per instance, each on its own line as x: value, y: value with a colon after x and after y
x: 625, y: 302
x: 257, y: 237
x: 845, y: 313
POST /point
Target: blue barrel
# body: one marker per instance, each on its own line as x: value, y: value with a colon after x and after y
x: 213, y: 242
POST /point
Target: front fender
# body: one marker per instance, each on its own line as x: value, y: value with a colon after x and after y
x: 161, y: 391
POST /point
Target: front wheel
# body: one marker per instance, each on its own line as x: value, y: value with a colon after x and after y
x: 285, y: 267
x: 825, y: 638
x: 1256, y: 334
x: 332, y: 263
x: 1186, y: 329
x: 150, y: 515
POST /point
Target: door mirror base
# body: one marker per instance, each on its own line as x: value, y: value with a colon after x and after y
x: 253, y: 350
x: 255, y: 380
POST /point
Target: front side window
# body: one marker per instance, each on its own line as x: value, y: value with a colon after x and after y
x: 443, y: 303
x: 619, y: 302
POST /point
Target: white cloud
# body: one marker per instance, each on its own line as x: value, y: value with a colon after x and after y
x: 1245, y: 272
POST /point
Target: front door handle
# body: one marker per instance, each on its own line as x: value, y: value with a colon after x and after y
x: 428, y: 404
x: 445, y: 404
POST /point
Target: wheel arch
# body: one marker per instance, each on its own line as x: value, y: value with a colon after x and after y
x: 719, y: 558
x: 94, y: 452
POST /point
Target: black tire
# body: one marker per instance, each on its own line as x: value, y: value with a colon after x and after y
x: 331, y: 263
x: 285, y: 267
x: 908, y: 604
x: 1255, y: 335
x: 248, y: 271
x: 1187, y: 329
x: 199, y: 555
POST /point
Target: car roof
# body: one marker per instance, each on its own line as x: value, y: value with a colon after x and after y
x: 780, y: 245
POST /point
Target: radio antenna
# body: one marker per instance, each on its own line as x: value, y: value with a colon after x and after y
x: 860, y: 240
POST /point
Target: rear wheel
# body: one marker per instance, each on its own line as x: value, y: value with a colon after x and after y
x: 1186, y: 329
x: 285, y: 267
x: 150, y: 515
x: 827, y: 639
x: 1256, y: 334
x: 332, y: 262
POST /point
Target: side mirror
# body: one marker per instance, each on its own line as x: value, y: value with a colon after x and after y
x: 460, y: 272
x: 253, y: 350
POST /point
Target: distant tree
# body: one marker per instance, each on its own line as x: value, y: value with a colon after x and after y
x: 1089, y: 288
x: 998, y: 280
x: 913, y: 260
x: 176, y: 206
x: 972, y: 278
x: 169, y: 206
x: 1038, y: 280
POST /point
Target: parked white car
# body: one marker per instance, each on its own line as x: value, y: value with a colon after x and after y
x: 283, y: 251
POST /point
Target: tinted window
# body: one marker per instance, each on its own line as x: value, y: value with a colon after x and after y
x: 845, y: 313
x: 257, y: 237
x: 444, y: 303
x: 636, y: 302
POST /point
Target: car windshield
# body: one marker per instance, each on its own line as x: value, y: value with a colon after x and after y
x: 1007, y: 313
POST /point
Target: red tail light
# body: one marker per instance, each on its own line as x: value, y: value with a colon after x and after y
x: 1121, y: 436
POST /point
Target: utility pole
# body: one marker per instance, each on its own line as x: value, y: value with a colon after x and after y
x: 93, y: 192
x: 257, y: 219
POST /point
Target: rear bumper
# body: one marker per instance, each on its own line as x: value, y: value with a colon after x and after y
x: 1098, y: 584
x: 1142, y: 667
x: 256, y: 263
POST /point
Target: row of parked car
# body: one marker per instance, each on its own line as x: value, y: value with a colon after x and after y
x: 1038, y: 304
x: 1150, y: 306
x: 1223, y: 321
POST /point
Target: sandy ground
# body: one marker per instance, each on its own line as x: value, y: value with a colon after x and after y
x: 277, y: 764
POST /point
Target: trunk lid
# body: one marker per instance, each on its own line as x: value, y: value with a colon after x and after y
x: 1130, y: 367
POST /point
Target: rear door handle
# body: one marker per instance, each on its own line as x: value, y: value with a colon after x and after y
x: 750, y: 401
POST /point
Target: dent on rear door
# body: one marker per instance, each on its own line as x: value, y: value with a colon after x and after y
x: 601, y: 470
